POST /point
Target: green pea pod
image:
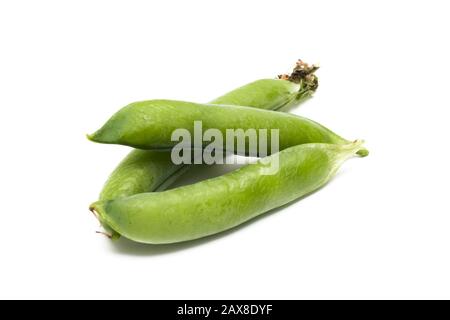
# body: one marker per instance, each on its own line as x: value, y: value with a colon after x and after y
x: 150, y: 124
x: 221, y: 203
x: 148, y: 170
x: 270, y: 94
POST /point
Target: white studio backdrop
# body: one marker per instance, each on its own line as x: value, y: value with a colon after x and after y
x: 380, y: 229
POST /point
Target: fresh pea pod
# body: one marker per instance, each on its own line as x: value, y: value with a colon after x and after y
x: 275, y: 94
x: 150, y: 124
x: 148, y: 170
x: 221, y: 203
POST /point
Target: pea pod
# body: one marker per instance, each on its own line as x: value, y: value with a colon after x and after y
x: 221, y: 203
x: 150, y: 124
x: 148, y: 170
x: 274, y: 94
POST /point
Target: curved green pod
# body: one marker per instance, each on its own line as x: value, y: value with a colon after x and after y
x: 269, y: 94
x: 148, y: 170
x: 221, y: 203
x: 150, y: 124
x: 140, y: 171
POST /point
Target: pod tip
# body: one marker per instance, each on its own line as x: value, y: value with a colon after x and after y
x: 108, y: 235
x: 362, y: 152
x: 102, y: 135
x: 109, y: 232
x: 90, y: 137
x: 92, y: 209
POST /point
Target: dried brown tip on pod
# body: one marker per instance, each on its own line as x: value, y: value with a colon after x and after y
x: 303, y: 71
x: 105, y: 234
x: 92, y: 209
x: 311, y: 81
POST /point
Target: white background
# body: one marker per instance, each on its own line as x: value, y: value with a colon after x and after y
x: 380, y: 229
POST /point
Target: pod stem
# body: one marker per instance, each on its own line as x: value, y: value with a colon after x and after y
x: 303, y: 74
